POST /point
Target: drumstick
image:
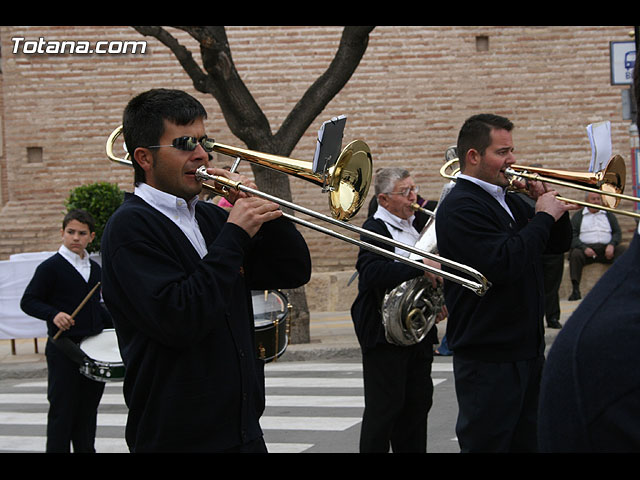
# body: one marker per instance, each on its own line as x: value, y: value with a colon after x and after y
x: 75, y: 312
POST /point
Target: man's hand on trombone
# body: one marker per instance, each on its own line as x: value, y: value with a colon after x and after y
x: 248, y: 212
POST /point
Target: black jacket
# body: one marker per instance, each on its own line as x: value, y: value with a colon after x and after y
x: 472, y: 228
x: 590, y: 389
x: 376, y: 275
x: 185, y: 325
x: 56, y: 286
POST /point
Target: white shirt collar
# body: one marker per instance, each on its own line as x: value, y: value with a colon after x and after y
x: 585, y: 211
x: 399, y: 223
x: 176, y: 209
x: 495, y: 191
x: 81, y: 264
x: 163, y: 201
x: 401, y: 230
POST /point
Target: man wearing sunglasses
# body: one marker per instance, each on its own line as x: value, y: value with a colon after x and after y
x: 177, y: 276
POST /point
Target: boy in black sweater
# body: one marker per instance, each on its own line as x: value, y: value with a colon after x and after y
x: 58, y: 286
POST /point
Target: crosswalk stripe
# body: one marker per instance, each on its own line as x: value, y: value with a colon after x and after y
x: 43, y: 383
x: 315, y: 382
x: 315, y: 401
x: 37, y: 444
x: 339, y: 367
x: 267, y: 422
x: 308, y: 423
x: 320, y: 400
x: 41, y: 398
x: 299, y: 382
x: 21, y: 418
x: 288, y: 447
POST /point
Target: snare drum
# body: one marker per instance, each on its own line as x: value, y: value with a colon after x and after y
x: 105, y: 363
x: 271, y: 311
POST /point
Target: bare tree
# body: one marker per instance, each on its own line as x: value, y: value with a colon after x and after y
x: 218, y: 77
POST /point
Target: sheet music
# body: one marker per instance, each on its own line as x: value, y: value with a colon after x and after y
x: 329, y: 143
x: 601, y: 150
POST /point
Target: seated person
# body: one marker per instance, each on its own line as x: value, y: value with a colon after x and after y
x: 596, y: 238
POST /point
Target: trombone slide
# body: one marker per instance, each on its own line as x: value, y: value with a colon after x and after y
x: 480, y: 286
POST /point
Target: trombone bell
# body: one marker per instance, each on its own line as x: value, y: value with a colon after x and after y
x: 610, y: 180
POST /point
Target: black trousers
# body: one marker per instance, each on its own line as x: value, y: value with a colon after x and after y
x: 577, y: 259
x: 398, y: 393
x: 497, y: 405
x: 553, y: 267
x: 73, y: 404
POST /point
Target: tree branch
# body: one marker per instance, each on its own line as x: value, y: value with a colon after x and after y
x: 352, y: 46
x: 184, y: 56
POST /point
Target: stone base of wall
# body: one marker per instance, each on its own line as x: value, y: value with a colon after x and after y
x: 331, y: 291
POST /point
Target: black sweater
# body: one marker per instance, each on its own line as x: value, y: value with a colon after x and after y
x: 377, y: 275
x: 472, y: 228
x: 185, y: 324
x: 590, y: 388
x: 56, y: 287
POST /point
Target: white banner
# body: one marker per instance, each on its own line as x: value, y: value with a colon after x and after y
x: 15, y: 275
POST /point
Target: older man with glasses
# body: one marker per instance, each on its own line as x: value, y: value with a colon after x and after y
x: 397, y: 379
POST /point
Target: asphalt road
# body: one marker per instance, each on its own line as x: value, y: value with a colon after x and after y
x: 312, y: 407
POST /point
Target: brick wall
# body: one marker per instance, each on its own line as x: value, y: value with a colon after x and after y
x: 407, y: 100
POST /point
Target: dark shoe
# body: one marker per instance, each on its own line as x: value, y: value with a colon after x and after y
x: 554, y: 323
x: 575, y: 295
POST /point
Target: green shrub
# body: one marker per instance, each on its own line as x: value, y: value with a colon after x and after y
x: 100, y: 199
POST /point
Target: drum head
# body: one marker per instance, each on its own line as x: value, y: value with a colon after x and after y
x: 102, y: 347
x: 269, y: 306
x: 104, y: 362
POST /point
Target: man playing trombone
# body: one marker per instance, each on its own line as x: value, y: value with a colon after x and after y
x: 177, y: 275
x: 497, y: 339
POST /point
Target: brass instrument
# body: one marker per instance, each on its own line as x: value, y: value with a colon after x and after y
x: 418, y: 208
x: 608, y: 182
x: 410, y: 310
x: 347, y: 182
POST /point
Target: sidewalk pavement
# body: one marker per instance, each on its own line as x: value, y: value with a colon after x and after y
x: 332, y: 338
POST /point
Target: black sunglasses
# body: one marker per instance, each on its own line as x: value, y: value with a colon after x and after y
x: 189, y: 144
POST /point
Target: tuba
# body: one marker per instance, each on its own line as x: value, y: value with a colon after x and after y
x: 410, y: 310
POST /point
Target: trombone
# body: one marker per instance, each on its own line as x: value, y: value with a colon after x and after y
x: 347, y: 182
x: 608, y: 182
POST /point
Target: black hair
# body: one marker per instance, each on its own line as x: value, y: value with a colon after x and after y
x: 476, y: 133
x: 145, y: 114
x: 81, y: 216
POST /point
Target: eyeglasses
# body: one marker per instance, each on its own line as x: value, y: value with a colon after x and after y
x: 405, y: 192
x: 189, y: 144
